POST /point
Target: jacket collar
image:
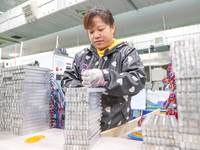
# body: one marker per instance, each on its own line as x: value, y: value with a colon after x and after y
x: 115, y: 49
x: 107, y: 52
x: 93, y: 50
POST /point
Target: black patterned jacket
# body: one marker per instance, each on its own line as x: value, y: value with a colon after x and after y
x: 124, y: 75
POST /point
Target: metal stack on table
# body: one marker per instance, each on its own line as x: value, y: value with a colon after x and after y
x: 82, y: 118
x: 25, y: 95
x: 186, y: 65
x: 160, y: 133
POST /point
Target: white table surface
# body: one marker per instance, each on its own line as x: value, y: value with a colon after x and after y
x: 54, y: 140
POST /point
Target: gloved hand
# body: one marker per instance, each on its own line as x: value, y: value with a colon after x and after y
x: 93, y: 78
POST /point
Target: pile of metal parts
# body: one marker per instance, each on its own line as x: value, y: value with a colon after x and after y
x: 186, y: 65
x: 160, y: 133
x: 24, y: 103
x: 82, y: 118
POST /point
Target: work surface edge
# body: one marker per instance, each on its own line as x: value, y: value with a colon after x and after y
x: 54, y: 140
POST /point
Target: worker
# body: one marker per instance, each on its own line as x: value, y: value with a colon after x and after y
x: 113, y: 65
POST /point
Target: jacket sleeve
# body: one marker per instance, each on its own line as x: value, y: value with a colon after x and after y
x: 132, y: 78
x: 72, y: 78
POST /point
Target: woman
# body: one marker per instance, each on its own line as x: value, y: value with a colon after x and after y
x: 113, y: 65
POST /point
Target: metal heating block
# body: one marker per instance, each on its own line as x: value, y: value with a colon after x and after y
x: 82, y: 117
x: 25, y: 95
x: 186, y: 65
x: 161, y: 134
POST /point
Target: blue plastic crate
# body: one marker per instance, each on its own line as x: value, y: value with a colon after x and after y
x: 146, y: 112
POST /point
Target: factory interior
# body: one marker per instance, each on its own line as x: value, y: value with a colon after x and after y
x: 40, y: 42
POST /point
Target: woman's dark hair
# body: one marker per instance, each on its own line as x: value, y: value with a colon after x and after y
x: 103, y: 13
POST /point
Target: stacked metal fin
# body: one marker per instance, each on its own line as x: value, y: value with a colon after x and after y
x: 82, y: 118
x: 186, y: 65
x: 160, y: 133
x: 25, y: 95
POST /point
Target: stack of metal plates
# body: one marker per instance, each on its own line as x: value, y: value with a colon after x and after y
x: 25, y: 95
x: 82, y: 118
x: 160, y: 133
x: 186, y: 65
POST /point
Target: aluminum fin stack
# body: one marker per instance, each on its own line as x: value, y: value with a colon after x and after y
x: 186, y: 65
x: 25, y: 95
x: 160, y: 133
x: 82, y: 118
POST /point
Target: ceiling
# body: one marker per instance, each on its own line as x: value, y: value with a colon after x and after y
x: 5, y: 5
x: 53, y: 18
x: 132, y: 17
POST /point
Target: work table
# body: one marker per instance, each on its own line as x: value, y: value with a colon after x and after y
x: 54, y: 140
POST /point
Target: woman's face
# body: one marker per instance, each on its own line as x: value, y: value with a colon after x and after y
x: 101, y: 34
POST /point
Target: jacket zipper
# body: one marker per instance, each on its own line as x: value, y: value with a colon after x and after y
x: 99, y: 62
x: 101, y: 59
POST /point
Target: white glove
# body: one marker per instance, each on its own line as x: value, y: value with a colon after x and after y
x: 93, y: 78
